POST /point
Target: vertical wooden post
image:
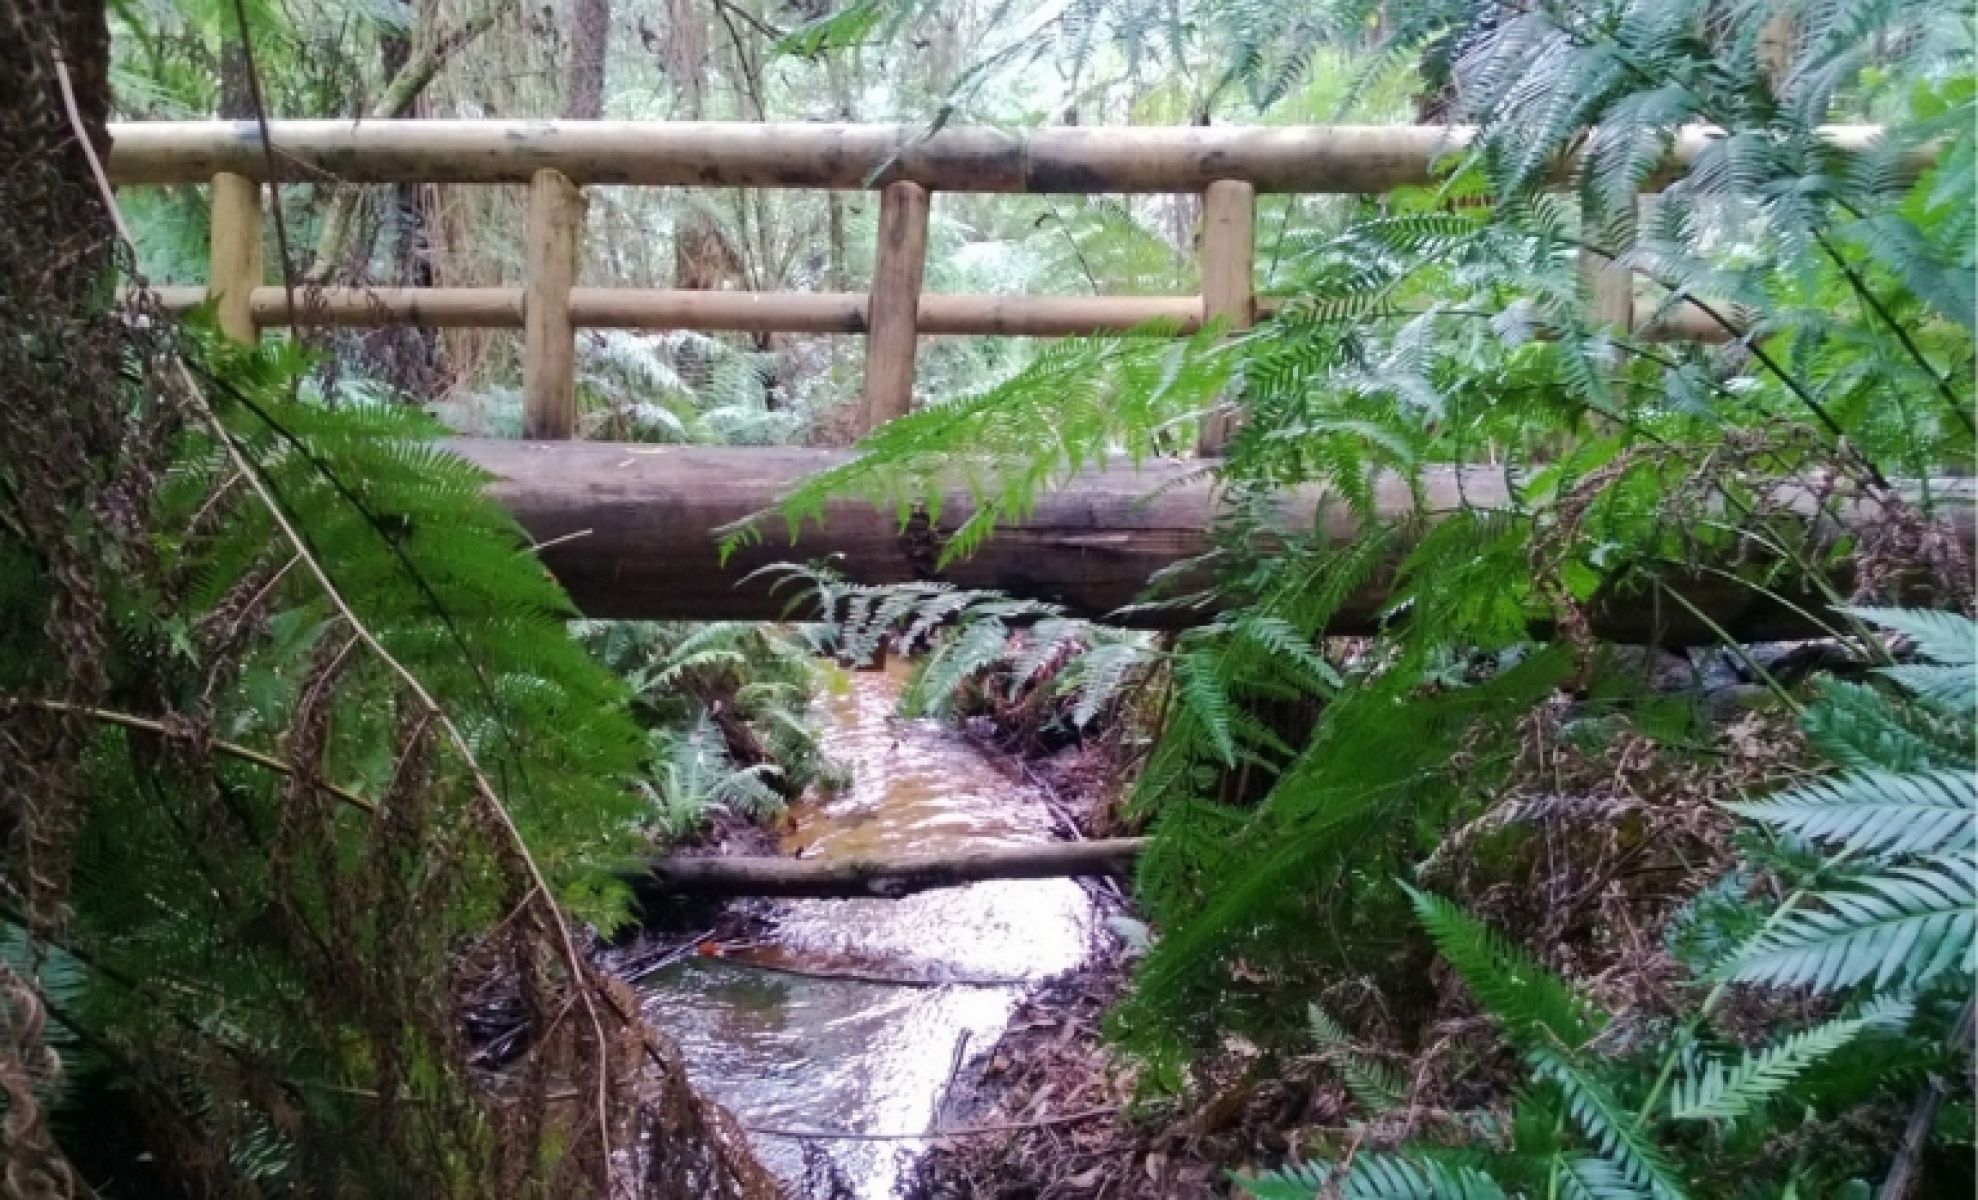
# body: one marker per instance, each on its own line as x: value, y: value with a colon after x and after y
x: 892, y: 312
x: 234, y: 267
x: 1610, y: 287
x: 1229, y: 218
x: 549, y: 346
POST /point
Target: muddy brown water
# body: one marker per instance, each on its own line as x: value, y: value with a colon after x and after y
x: 791, y: 1053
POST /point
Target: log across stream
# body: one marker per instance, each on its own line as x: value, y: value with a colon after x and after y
x: 792, y: 1053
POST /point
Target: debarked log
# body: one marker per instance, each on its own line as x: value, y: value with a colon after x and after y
x: 887, y: 878
x: 1059, y: 159
x: 633, y: 531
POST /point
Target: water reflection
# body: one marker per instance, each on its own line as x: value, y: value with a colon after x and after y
x: 793, y: 1052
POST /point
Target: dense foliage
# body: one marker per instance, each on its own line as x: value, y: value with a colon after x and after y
x: 1294, y: 780
x: 225, y: 797
x: 1876, y: 925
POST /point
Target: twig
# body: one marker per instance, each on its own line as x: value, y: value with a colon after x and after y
x: 159, y: 728
x: 954, y: 1071
x: 1907, y: 1168
x: 559, y: 539
x: 1875, y: 305
x: 863, y: 977
x: 845, y: 1135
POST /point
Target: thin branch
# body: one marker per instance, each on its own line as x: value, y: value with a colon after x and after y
x: 845, y: 1135
x: 1874, y: 303
x: 158, y: 728
x: 765, y: 28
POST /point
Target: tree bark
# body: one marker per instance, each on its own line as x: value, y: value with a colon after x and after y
x: 590, y: 42
x: 885, y: 878
x: 635, y: 533
x: 399, y: 95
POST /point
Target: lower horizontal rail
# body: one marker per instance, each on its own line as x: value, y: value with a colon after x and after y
x: 777, y: 312
x: 632, y: 532
x: 710, y: 311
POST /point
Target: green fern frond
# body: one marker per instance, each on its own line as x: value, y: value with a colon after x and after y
x: 1877, y: 812
x: 1721, y: 1091
x: 1610, y: 1125
x: 1376, y: 1176
x: 1535, y: 1006
x: 1954, y: 689
x: 1099, y: 675
x: 1942, y: 637
x: 1909, y: 923
x: 1199, y: 689
x: 1862, y: 728
x: 1375, y: 1085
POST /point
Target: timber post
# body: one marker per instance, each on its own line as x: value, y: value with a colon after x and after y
x: 549, y: 345
x: 1610, y: 289
x: 234, y: 264
x: 1229, y: 247
x: 893, y: 312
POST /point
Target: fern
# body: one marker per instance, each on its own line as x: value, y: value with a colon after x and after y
x: 1876, y: 812
x: 1721, y: 1091
x: 1376, y: 1085
x: 1907, y: 923
x: 1535, y: 1007
x: 1376, y: 1177
x: 1862, y: 728
x: 1610, y: 1125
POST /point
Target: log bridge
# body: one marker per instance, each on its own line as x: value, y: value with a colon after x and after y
x: 630, y: 529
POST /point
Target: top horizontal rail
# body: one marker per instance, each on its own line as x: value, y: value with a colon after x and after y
x: 1310, y: 159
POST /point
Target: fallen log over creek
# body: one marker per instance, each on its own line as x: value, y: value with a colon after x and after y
x: 631, y: 531
x: 887, y: 878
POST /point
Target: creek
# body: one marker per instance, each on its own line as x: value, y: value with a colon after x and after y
x: 793, y: 1053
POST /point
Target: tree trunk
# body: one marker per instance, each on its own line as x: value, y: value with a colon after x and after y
x: 590, y: 42
x: 397, y: 100
x: 410, y: 358
x: 236, y: 86
x: 885, y: 878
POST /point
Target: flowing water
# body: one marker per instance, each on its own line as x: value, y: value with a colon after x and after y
x: 788, y: 1052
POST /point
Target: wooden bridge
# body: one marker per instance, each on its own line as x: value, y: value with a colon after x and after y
x: 631, y: 527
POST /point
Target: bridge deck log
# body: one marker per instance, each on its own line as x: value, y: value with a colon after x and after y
x: 631, y: 531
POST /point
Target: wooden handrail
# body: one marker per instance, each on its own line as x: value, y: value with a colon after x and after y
x: 1228, y: 166
x: 1312, y: 158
